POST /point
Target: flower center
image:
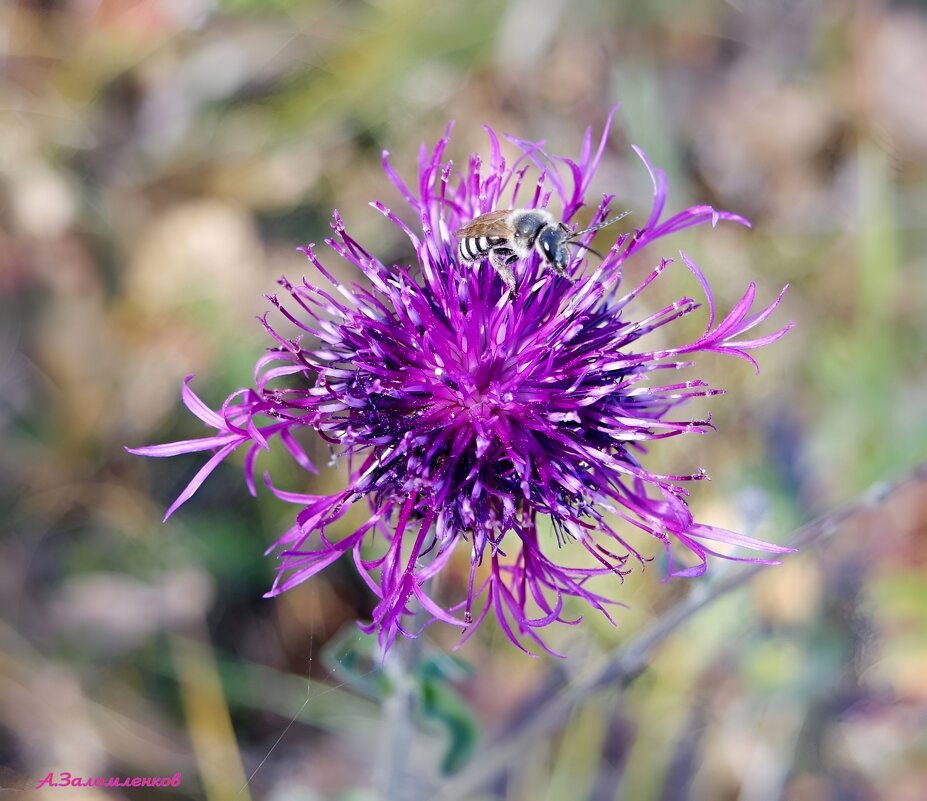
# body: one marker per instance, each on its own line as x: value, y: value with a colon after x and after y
x: 480, y: 397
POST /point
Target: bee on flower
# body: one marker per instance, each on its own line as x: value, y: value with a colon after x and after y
x: 472, y: 401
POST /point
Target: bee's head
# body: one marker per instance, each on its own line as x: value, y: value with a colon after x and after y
x: 552, y: 245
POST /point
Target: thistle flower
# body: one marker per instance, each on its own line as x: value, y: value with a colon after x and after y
x: 466, y: 416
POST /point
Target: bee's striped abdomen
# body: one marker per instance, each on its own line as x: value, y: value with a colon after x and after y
x: 476, y: 247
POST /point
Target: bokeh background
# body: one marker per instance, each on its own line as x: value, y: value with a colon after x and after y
x: 159, y: 162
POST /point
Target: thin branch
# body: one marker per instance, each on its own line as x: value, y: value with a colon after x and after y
x: 391, y: 775
x: 398, y: 727
x: 627, y: 662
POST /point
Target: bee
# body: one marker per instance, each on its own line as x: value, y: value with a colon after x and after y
x: 508, y: 235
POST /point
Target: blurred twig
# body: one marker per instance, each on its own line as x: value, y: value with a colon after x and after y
x: 209, y: 721
x: 626, y: 663
x: 398, y: 728
x: 399, y: 708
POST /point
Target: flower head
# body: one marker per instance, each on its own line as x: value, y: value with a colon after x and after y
x: 467, y: 415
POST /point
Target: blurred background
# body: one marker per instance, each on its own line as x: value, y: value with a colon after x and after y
x: 159, y: 162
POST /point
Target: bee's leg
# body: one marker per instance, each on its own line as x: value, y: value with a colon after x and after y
x: 562, y: 273
x: 503, y: 259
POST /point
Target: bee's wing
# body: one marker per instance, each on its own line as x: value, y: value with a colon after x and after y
x: 491, y: 224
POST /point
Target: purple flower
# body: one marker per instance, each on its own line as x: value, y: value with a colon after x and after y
x: 467, y: 416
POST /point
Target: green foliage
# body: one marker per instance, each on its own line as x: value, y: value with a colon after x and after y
x: 441, y: 705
